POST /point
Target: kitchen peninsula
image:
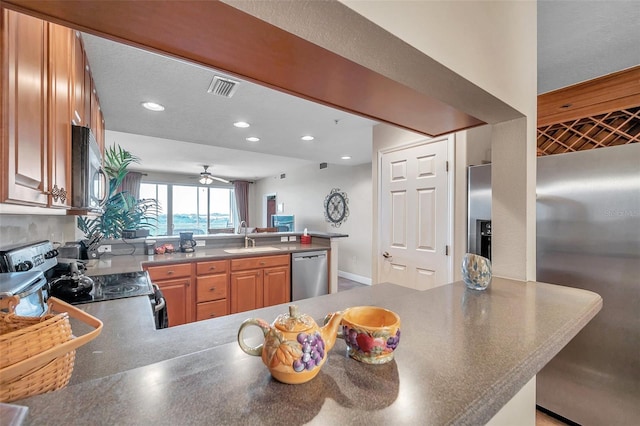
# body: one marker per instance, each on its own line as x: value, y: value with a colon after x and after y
x: 463, y: 355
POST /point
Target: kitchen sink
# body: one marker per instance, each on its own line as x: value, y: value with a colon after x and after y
x: 251, y: 250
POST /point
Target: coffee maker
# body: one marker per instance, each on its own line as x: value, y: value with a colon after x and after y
x: 187, y: 243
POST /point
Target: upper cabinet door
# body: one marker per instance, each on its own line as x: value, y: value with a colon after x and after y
x: 24, y: 87
x: 61, y: 41
x: 78, y: 116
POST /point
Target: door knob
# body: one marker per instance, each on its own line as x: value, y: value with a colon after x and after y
x: 386, y: 255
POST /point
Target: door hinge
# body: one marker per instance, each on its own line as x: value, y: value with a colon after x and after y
x: 446, y: 166
x: 446, y: 250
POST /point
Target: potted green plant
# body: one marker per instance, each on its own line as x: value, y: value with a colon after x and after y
x: 121, y: 209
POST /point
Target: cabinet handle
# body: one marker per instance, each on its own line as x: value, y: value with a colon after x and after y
x: 211, y: 268
x: 55, y: 192
x: 63, y: 195
x: 262, y: 263
x: 212, y: 289
x: 212, y: 315
x: 169, y: 272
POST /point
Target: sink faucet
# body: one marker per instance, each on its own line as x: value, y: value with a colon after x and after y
x: 246, y: 238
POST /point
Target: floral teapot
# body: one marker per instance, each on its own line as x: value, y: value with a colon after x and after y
x: 295, y: 347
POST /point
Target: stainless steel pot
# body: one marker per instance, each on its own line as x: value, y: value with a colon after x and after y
x: 32, y: 289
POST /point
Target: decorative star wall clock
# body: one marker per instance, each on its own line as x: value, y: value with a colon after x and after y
x: 336, y: 207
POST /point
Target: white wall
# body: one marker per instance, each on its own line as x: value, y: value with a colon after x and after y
x: 492, y: 45
x: 303, y: 192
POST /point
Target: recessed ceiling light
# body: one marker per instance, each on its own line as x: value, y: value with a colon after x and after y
x: 307, y: 138
x: 253, y: 139
x: 152, y: 106
x: 241, y: 124
x: 346, y: 157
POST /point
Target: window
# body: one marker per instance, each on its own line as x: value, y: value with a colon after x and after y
x: 160, y: 193
x: 190, y: 208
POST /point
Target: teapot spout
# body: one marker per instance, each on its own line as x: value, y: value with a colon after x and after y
x: 330, y: 330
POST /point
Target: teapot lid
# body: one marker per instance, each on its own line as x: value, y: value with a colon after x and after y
x: 294, y: 321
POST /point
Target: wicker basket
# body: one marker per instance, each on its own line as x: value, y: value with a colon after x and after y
x: 37, y: 354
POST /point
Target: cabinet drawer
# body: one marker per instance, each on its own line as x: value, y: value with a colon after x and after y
x: 157, y: 273
x: 259, y: 262
x: 213, y: 267
x: 209, y: 310
x: 213, y: 287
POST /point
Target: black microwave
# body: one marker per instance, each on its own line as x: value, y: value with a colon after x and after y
x: 88, y: 180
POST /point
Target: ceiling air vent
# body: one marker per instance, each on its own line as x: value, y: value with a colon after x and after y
x: 223, y: 86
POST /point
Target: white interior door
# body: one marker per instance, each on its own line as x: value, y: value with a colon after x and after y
x: 414, y: 216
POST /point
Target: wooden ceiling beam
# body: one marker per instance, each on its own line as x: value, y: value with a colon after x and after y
x: 215, y: 34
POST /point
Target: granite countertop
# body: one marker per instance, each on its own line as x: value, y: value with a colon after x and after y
x: 462, y: 356
x: 116, y: 264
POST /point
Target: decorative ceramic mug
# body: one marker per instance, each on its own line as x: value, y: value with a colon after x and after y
x: 372, y: 334
x: 476, y: 271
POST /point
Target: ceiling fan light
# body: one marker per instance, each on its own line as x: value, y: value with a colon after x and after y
x: 206, y: 180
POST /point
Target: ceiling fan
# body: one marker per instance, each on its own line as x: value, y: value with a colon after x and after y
x: 207, y: 178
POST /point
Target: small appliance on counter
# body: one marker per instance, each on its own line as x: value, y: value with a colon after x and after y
x: 187, y: 243
x: 70, y: 250
x: 130, y: 234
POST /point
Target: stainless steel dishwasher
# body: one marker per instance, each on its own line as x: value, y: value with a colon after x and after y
x: 309, y: 274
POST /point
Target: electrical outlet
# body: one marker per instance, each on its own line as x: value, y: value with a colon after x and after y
x: 105, y: 248
x: 292, y: 238
x: 284, y: 239
x: 201, y: 243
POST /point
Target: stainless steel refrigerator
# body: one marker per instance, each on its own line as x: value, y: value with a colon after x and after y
x: 588, y: 236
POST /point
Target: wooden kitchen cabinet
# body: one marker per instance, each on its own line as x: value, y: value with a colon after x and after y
x: 60, y: 106
x: 43, y: 92
x: 175, y: 283
x: 277, y: 285
x: 97, y: 120
x: 78, y: 117
x: 212, y: 289
x: 24, y: 100
x: 257, y: 282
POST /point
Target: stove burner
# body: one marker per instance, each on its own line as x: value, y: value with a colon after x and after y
x: 120, y: 289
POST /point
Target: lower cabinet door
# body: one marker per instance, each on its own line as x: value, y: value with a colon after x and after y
x: 177, y: 294
x: 277, y: 286
x: 246, y: 291
x: 208, y: 310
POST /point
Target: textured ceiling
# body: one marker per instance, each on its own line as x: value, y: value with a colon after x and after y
x: 577, y: 41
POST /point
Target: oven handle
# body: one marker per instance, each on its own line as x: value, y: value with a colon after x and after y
x: 159, y: 304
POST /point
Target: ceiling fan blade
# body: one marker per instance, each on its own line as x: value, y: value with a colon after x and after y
x: 219, y: 179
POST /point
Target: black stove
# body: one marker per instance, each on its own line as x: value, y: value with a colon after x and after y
x: 119, y: 286
x: 66, y: 279
x: 107, y: 287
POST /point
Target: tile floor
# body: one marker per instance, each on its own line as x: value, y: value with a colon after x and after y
x: 346, y: 284
x: 542, y: 419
